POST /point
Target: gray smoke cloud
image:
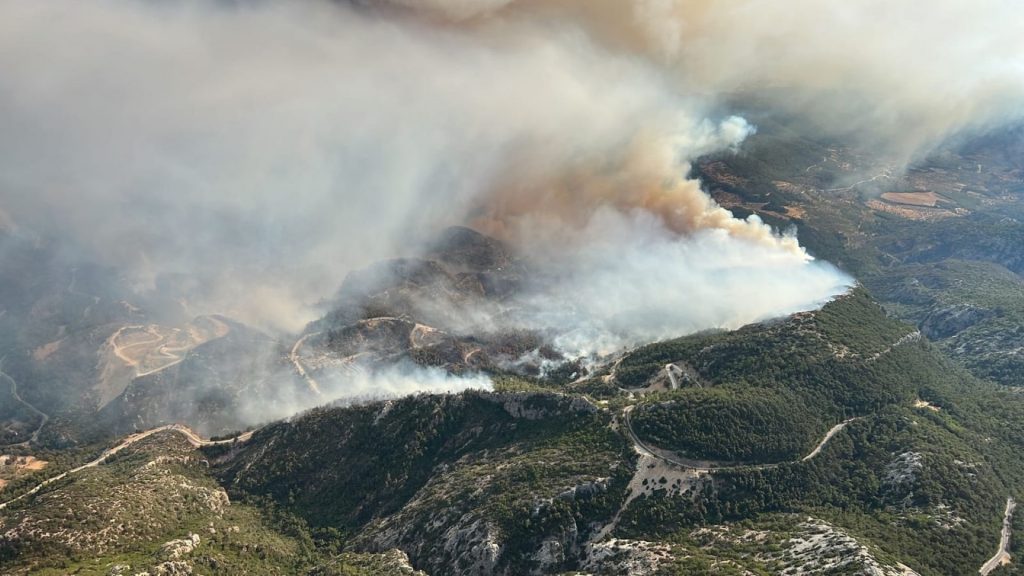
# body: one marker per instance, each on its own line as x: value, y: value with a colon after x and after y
x: 268, y: 148
x: 900, y: 76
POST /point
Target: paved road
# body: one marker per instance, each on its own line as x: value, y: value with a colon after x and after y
x: 44, y: 418
x: 193, y: 439
x: 713, y: 465
x: 1002, y: 555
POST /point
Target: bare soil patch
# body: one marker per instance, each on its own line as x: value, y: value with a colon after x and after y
x: 926, y: 199
x: 12, y: 467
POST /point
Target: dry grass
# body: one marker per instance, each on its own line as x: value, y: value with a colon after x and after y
x: 927, y: 199
x: 913, y: 212
x: 43, y: 352
x: 795, y: 212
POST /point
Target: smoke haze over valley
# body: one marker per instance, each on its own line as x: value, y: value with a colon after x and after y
x: 243, y: 158
x: 471, y: 287
x: 264, y: 150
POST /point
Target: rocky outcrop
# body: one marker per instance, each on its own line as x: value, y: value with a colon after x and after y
x: 173, y: 568
x: 951, y: 320
x: 538, y: 406
x: 176, y: 549
x: 625, y: 557
x: 901, y: 473
x: 392, y: 563
x: 585, y: 491
x: 821, y: 548
x: 466, y: 544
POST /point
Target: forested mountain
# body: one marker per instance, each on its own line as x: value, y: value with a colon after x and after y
x: 588, y: 288
x: 737, y: 467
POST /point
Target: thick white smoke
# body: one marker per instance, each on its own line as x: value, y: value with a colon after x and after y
x: 278, y: 145
x: 361, y: 385
x: 268, y: 148
x: 632, y: 281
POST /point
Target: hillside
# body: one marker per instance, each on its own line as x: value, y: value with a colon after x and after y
x: 842, y: 440
x: 539, y: 482
x: 910, y: 466
x: 954, y: 270
x: 511, y: 288
x: 154, y: 508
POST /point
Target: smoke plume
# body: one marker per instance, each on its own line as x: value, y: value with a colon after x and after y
x: 361, y: 385
x: 267, y: 148
x: 900, y: 76
x: 633, y: 281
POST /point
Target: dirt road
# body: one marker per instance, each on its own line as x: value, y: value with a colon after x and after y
x: 828, y: 436
x: 44, y: 418
x: 669, y: 471
x: 157, y: 345
x: 190, y: 435
x: 714, y: 465
x: 314, y: 387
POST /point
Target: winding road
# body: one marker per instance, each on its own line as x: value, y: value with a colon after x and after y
x: 713, y: 465
x: 884, y: 174
x: 173, y: 355
x: 44, y: 418
x: 690, y: 470
x: 194, y: 439
x: 294, y: 356
x: 1002, y: 556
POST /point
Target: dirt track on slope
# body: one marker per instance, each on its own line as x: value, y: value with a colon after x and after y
x: 44, y: 418
x: 194, y: 439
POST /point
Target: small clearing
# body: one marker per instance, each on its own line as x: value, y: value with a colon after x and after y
x: 46, y: 350
x: 12, y: 466
x: 926, y: 199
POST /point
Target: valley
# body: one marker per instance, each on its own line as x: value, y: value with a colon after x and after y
x: 425, y: 423
x: 43, y: 418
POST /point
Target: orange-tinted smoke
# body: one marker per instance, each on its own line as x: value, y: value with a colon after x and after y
x: 645, y: 176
